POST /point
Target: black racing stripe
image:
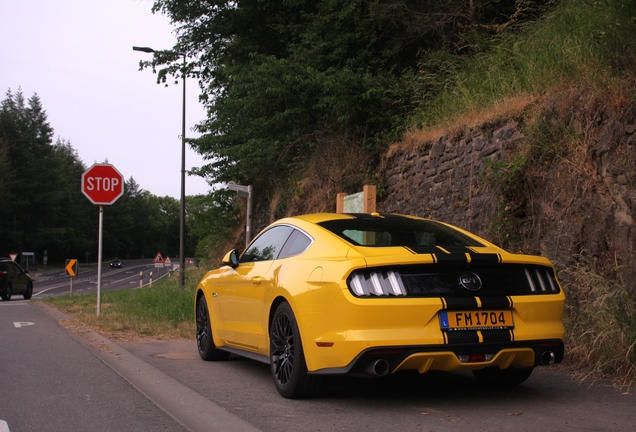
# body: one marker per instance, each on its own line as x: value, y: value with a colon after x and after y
x: 484, y: 258
x: 462, y: 337
x: 496, y: 336
x: 460, y: 303
x: 456, y: 254
x: 443, y: 258
x: 389, y: 216
x: 499, y: 302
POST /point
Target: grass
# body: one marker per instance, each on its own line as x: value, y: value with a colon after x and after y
x: 162, y: 312
x: 601, y: 323
x: 581, y: 41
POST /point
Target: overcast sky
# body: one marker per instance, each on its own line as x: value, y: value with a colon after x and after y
x: 77, y: 56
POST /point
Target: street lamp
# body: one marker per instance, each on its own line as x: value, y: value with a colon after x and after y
x: 183, y: 153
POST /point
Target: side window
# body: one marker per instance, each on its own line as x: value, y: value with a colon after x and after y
x: 425, y: 238
x: 268, y: 245
x: 295, y: 244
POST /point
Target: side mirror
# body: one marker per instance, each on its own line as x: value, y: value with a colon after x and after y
x: 231, y: 259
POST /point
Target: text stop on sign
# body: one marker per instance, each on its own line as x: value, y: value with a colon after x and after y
x: 102, y: 184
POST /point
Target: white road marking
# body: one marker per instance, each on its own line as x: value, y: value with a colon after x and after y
x: 4, y: 427
x: 18, y: 324
x: 48, y: 289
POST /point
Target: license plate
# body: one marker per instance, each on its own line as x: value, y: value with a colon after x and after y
x: 475, y: 320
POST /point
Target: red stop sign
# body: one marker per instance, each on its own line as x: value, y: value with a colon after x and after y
x: 102, y: 184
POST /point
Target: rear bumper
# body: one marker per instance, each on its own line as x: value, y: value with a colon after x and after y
x: 522, y: 354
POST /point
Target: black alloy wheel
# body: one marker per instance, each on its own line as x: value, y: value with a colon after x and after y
x: 205, y: 342
x: 287, y: 359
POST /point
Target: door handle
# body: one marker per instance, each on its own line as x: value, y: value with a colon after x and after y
x: 256, y: 280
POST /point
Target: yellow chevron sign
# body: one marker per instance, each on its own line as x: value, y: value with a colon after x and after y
x: 71, y: 267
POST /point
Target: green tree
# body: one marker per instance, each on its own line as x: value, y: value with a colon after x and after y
x: 140, y: 224
x: 71, y: 234
x: 211, y: 220
x: 279, y: 78
x: 40, y: 201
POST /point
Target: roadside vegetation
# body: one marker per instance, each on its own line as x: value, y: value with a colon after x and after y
x: 601, y: 323
x: 578, y: 43
x: 161, y: 312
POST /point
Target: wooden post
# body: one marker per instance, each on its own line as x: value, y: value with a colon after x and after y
x: 340, y: 202
x: 369, y: 198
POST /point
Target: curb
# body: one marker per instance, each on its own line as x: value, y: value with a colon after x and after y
x: 187, y: 407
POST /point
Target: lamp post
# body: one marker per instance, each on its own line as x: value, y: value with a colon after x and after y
x: 183, y: 153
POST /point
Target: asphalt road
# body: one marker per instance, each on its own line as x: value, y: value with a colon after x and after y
x: 133, y: 274
x: 549, y: 401
x: 53, y: 380
x: 50, y: 382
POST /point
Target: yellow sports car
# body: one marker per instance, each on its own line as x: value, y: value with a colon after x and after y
x: 374, y: 294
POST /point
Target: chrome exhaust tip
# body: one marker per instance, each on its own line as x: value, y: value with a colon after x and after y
x: 547, y: 358
x: 379, y: 367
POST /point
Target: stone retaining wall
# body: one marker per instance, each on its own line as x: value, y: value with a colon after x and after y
x: 577, y: 197
x: 445, y: 179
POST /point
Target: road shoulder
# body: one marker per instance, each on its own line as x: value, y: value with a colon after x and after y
x: 184, y: 405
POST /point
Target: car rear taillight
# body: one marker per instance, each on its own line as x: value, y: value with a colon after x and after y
x: 377, y: 283
x: 541, y: 280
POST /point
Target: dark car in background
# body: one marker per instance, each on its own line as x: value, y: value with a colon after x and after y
x: 14, y: 280
x: 115, y: 264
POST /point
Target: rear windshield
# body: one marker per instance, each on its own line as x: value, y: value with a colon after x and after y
x: 397, y: 231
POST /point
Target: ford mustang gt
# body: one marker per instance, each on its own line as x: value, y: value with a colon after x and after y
x: 375, y: 294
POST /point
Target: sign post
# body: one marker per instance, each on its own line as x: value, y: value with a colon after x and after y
x: 102, y: 184
x: 71, y: 269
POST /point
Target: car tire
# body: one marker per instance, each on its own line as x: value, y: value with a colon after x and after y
x: 6, y: 294
x: 205, y: 341
x: 29, y: 292
x: 287, y: 358
x: 503, y: 377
